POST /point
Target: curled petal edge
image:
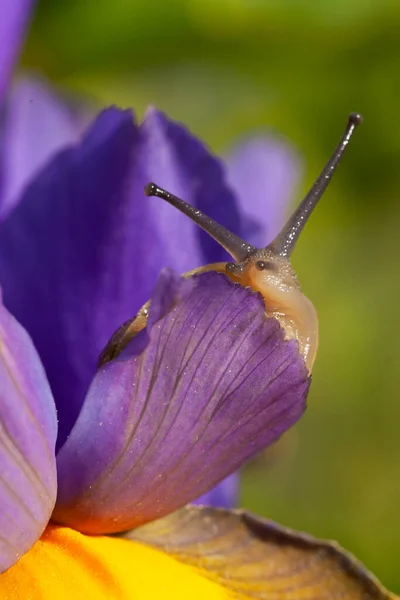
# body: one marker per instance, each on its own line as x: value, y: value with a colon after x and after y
x: 257, y: 558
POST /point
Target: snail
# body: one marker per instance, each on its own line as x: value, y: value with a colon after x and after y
x: 265, y: 270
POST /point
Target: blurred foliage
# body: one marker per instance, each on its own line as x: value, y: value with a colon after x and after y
x: 227, y: 68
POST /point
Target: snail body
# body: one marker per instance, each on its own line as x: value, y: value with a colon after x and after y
x: 274, y: 278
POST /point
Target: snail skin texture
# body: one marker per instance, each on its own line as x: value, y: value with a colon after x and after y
x: 266, y: 270
x: 272, y: 275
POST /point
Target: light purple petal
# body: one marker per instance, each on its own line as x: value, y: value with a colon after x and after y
x: 216, y: 384
x: 28, y: 428
x: 88, y: 245
x: 37, y: 125
x: 264, y: 173
x: 224, y: 495
x: 14, y: 15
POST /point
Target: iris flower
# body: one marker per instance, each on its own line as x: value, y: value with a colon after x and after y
x: 101, y: 458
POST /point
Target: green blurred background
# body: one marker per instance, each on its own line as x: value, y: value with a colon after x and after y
x: 230, y: 67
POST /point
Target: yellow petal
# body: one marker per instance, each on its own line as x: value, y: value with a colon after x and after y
x: 257, y: 559
x: 67, y: 565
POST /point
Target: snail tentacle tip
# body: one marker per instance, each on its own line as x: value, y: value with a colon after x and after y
x: 355, y: 118
x: 150, y: 189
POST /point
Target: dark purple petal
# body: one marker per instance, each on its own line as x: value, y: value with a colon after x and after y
x: 88, y: 245
x: 28, y: 428
x: 37, y: 125
x: 62, y: 240
x: 253, y: 558
x: 263, y: 172
x: 216, y: 384
x: 14, y: 15
x: 224, y: 495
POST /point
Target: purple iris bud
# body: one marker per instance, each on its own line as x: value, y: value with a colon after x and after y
x: 81, y: 249
x: 107, y: 243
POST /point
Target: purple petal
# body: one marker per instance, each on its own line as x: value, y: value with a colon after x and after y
x: 62, y: 240
x: 14, y: 15
x: 179, y: 162
x: 37, y: 126
x: 28, y: 428
x: 88, y: 245
x: 216, y: 384
x: 263, y: 172
x: 253, y: 558
x: 224, y: 495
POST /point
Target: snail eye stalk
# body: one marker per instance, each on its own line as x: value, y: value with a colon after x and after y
x: 285, y: 242
x: 237, y: 248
